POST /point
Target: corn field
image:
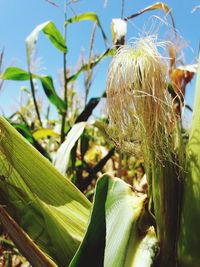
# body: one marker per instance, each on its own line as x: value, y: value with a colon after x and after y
x: 120, y: 189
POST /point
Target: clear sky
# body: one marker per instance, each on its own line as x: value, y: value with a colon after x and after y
x: 19, y: 18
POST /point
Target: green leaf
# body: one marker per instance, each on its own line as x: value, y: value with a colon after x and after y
x: 15, y: 74
x: 50, y: 30
x: 39, y: 198
x: 91, y: 251
x: 24, y: 130
x: 55, y: 36
x: 62, y: 156
x: 45, y: 132
x: 88, y: 16
x: 189, y: 242
x: 50, y: 92
x: 114, y: 237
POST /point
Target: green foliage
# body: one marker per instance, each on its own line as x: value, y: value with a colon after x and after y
x: 33, y: 190
x: 50, y: 30
x: 47, y: 84
x: 14, y: 73
x: 114, y: 236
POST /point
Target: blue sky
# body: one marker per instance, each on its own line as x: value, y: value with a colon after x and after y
x: 19, y: 18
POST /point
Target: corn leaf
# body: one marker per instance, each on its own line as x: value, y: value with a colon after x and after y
x: 91, y: 64
x: 189, y: 242
x: 50, y: 30
x: 113, y: 237
x: 50, y: 92
x: 24, y: 130
x: 44, y: 132
x: 17, y: 74
x: 39, y: 198
x: 62, y: 156
x: 88, y: 16
x: 157, y: 5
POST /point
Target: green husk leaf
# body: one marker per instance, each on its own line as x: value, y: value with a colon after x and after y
x: 113, y: 237
x: 39, y: 198
x: 189, y: 242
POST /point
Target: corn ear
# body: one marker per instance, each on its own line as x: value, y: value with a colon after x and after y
x: 142, y: 122
x: 114, y: 236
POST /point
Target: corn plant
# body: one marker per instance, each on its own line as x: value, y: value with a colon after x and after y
x: 51, y: 221
x: 125, y: 228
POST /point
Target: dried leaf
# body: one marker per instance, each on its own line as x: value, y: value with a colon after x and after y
x: 181, y: 76
x: 25, y: 244
x: 158, y: 5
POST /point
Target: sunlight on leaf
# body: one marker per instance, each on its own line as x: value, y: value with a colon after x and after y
x: 113, y: 237
x: 50, y: 30
x: 15, y: 74
x: 33, y: 190
x: 62, y: 156
x: 45, y: 132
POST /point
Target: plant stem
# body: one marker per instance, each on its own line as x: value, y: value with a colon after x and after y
x: 62, y: 135
x: 166, y: 189
x: 119, y: 171
x: 88, y: 78
x: 34, y: 99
